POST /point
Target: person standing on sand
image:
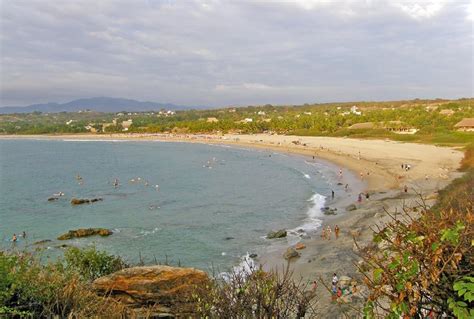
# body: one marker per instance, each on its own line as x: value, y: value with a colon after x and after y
x: 336, y: 231
x: 23, y: 234
x: 405, y: 189
x: 332, y: 194
x: 359, y: 199
x: 340, y: 173
x: 323, y: 233
x: 328, y: 232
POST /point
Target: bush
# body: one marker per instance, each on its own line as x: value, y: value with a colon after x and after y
x: 91, y: 263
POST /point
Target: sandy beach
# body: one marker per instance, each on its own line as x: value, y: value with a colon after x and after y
x: 377, y: 162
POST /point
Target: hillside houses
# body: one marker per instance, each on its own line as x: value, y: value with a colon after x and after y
x: 465, y: 125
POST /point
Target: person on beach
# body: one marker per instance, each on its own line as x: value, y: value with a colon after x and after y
x: 367, y: 195
x: 332, y: 194
x: 361, y: 175
x: 323, y: 233
x: 336, y: 231
x: 328, y: 232
x: 23, y: 234
x: 405, y: 189
x: 340, y: 173
x: 359, y: 199
x: 14, y: 238
x: 346, y: 187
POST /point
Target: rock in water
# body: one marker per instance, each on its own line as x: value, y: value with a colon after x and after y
x: 52, y: 199
x: 163, y: 286
x: 291, y: 253
x: 80, y: 201
x: 277, y: 234
x: 85, y: 232
x: 351, y: 207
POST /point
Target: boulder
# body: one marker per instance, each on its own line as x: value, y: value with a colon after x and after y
x: 40, y: 242
x: 291, y: 253
x: 300, y: 246
x: 253, y: 255
x: 329, y: 211
x: 52, y: 199
x: 351, y: 207
x: 80, y: 201
x: 85, y: 232
x: 159, y: 286
x: 277, y: 234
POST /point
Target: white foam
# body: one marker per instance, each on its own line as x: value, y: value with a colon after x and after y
x: 313, y: 221
x: 246, y: 266
x: 307, y: 176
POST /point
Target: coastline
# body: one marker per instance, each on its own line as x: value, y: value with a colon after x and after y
x: 378, y: 161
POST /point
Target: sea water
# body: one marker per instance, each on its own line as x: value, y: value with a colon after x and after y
x: 195, y: 205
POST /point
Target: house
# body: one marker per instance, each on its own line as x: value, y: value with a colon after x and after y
x: 248, y: 120
x: 398, y: 127
x: 91, y: 128
x: 212, y: 120
x: 126, y: 125
x: 447, y: 112
x: 261, y: 113
x: 70, y: 122
x: 355, y: 110
x: 465, y: 125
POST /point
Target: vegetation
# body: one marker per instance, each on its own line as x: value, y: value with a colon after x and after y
x: 29, y: 288
x: 255, y: 294
x: 332, y: 119
x: 423, y: 264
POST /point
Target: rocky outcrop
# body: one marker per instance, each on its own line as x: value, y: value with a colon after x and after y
x: 80, y: 201
x: 163, y: 287
x: 351, y: 207
x: 85, y: 232
x: 277, y: 234
x: 291, y: 253
x: 329, y: 211
x: 300, y: 246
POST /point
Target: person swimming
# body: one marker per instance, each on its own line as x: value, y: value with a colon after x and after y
x: 14, y: 238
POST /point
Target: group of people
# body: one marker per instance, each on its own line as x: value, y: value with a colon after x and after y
x: 339, y: 290
x: 326, y: 232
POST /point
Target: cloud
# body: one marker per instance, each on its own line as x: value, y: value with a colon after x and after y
x: 220, y: 53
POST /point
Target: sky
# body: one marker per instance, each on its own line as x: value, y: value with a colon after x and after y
x: 228, y: 53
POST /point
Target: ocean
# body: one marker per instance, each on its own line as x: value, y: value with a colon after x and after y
x: 195, y: 205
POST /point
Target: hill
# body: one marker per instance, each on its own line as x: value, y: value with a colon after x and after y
x: 98, y: 104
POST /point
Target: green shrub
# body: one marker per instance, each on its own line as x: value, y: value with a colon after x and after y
x: 91, y: 264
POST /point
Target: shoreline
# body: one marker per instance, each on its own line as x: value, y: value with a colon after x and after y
x: 379, y: 164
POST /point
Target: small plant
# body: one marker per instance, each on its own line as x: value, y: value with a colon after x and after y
x: 91, y: 264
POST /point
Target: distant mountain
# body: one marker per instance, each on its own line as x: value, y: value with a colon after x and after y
x: 98, y: 104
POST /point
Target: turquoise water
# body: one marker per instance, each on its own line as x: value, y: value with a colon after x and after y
x: 213, y: 204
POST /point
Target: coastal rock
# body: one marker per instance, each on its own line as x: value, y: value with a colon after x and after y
x: 40, y: 242
x: 229, y: 238
x: 291, y: 253
x: 329, y: 211
x: 161, y: 286
x: 85, y: 232
x: 300, y: 246
x: 351, y: 207
x: 277, y: 234
x: 253, y: 255
x: 80, y: 201
x: 52, y: 199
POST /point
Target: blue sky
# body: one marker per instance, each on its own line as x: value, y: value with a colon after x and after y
x: 221, y: 53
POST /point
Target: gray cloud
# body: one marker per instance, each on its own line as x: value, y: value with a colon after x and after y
x: 235, y: 53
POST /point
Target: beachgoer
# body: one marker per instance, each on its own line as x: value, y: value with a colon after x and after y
x: 335, y: 280
x: 346, y: 187
x: 23, y: 234
x: 314, y: 286
x: 334, y: 289
x: 402, y: 166
x: 323, y: 233
x: 328, y: 232
x: 361, y: 175
x: 14, y: 238
x: 340, y: 173
x: 359, y: 199
x: 405, y: 189
x: 367, y: 195
x: 332, y: 194
x: 339, y: 293
x: 336, y: 231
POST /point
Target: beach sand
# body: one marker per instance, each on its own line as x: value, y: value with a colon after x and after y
x: 377, y: 162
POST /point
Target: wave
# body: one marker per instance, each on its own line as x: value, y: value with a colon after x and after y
x: 243, y: 269
x: 313, y: 221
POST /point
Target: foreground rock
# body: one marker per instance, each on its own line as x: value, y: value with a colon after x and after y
x: 163, y: 287
x: 85, y: 232
x: 351, y: 207
x: 291, y: 253
x: 277, y: 234
x: 80, y: 201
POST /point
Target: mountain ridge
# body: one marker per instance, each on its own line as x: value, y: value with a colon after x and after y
x: 98, y: 104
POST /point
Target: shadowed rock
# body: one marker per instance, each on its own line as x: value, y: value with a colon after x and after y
x: 291, y: 253
x: 80, y: 201
x: 161, y: 286
x: 277, y: 234
x: 85, y: 232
